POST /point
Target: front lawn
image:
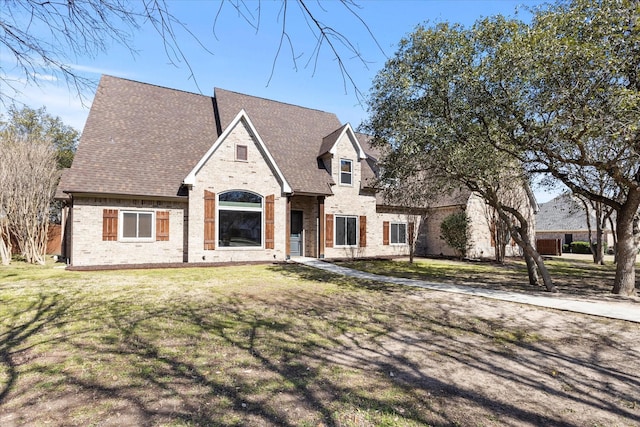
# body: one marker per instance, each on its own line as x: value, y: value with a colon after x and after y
x: 578, y: 277
x: 285, y: 345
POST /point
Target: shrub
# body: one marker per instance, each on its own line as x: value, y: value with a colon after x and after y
x: 455, y: 232
x: 579, y: 247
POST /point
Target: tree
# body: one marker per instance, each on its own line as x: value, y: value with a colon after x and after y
x: 499, y: 231
x: 43, y: 38
x: 28, y: 177
x: 561, y: 96
x: 454, y: 230
x: 425, y: 108
x: 409, y: 197
x: 568, y: 89
x: 602, y: 214
x: 40, y: 125
x: 6, y: 246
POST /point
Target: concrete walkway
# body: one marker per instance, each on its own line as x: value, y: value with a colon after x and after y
x: 611, y: 309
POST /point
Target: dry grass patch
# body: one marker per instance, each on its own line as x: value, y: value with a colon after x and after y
x: 575, y: 277
x: 285, y: 345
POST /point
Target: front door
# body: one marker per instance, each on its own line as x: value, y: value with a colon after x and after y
x: 296, y: 233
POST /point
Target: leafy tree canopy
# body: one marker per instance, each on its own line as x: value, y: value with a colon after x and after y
x: 40, y: 125
x: 559, y: 96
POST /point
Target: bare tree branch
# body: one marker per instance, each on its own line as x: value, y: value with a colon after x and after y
x: 44, y: 39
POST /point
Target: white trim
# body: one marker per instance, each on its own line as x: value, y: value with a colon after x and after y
x: 406, y: 232
x: 121, y: 238
x: 241, y: 116
x: 335, y: 231
x: 350, y: 184
x: 354, y: 140
x: 263, y: 221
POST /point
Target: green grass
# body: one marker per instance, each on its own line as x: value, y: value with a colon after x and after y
x: 243, y: 345
x: 217, y: 340
x: 572, y: 276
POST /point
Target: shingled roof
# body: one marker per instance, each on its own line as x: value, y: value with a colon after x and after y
x: 143, y: 140
x: 140, y: 139
x: 292, y: 133
x: 562, y: 213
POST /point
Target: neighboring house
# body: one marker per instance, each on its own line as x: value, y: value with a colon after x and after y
x: 166, y: 176
x: 564, y: 218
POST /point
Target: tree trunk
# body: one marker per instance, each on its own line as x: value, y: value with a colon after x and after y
x: 523, y: 238
x: 614, y: 233
x: 411, y: 252
x: 598, y: 257
x: 539, y: 262
x: 589, y: 231
x: 532, y: 270
x: 5, y: 249
x: 627, y: 248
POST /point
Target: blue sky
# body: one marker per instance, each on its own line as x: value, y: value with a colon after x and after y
x: 241, y: 58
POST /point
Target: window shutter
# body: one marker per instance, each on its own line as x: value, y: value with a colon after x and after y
x: 385, y: 233
x: 328, y: 230
x: 162, y: 226
x: 363, y: 231
x: 209, y: 220
x: 110, y: 224
x: 412, y: 230
x: 269, y: 239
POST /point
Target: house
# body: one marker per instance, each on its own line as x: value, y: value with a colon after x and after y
x: 482, y: 223
x: 166, y: 176
x: 564, y: 218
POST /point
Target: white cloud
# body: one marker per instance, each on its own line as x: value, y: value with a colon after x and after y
x: 45, y: 77
x: 97, y: 70
x: 58, y: 99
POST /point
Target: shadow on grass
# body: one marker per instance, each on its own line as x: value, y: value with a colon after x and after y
x: 571, y: 277
x: 360, y: 355
x: 20, y: 325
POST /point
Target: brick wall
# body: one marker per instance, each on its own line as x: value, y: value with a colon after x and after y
x: 222, y: 172
x: 88, y: 247
x: 350, y: 200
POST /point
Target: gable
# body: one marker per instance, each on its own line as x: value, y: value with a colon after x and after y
x: 342, y: 134
x: 291, y: 133
x: 230, y: 139
x: 146, y: 140
x: 562, y: 213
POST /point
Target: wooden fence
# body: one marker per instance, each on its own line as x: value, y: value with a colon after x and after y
x: 54, y: 240
x: 549, y: 246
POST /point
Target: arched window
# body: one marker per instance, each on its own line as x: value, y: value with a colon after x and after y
x: 239, y: 219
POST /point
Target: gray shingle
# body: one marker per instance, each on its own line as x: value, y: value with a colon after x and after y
x: 143, y: 140
x: 562, y: 213
x: 140, y: 139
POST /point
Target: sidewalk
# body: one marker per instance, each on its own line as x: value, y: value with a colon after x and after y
x: 613, y: 310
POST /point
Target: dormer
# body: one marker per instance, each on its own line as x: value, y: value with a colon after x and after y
x: 341, y: 154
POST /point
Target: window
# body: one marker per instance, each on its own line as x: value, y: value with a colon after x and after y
x: 137, y: 226
x: 346, y: 230
x: 346, y: 172
x: 398, y: 233
x: 239, y: 219
x: 241, y: 153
